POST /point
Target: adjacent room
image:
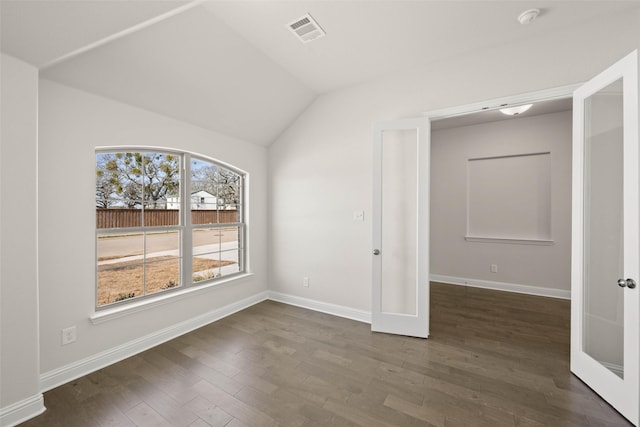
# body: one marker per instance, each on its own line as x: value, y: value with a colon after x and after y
x: 305, y: 213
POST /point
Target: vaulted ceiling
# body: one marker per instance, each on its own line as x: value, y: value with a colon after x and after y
x: 234, y: 67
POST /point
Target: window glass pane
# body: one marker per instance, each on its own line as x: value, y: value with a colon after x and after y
x: 113, y: 248
x: 216, y: 252
x: 128, y: 184
x: 162, y: 263
x: 120, y: 267
x: 215, y: 193
x: 118, y: 191
x: 163, y: 243
x: 136, y: 264
x: 161, y: 273
x: 161, y: 175
x: 118, y: 218
x: 120, y: 281
x: 229, y: 262
x: 118, y: 181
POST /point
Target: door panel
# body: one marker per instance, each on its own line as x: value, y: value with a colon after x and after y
x: 605, y: 243
x: 399, y: 227
x: 400, y: 230
x: 603, y: 231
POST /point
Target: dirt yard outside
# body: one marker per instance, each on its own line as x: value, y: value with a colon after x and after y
x: 122, y: 272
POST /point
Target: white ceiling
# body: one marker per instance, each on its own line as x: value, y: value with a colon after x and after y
x: 41, y: 31
x: 234, y: 67
x: 194, y: 68
x: 367, y: 39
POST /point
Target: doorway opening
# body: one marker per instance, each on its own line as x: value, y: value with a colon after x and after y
x: 501, y: 194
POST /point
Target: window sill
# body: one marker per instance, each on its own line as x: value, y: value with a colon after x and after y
x: 509, y: 241
x: 165, y: 298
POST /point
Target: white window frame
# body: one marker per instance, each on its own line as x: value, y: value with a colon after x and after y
x: 185, y: 229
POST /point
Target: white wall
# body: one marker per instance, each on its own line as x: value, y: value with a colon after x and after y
x: 72, y: 124
x: 321, y: 167
x: 19, y: 386
x: 521, y: 264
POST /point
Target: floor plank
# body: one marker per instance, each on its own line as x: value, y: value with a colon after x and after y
x: 492, y: 359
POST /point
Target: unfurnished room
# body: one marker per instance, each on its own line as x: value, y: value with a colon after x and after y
x: 319, y: 213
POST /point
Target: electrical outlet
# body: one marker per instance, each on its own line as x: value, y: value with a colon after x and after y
x: 494, y: 268
x: 68, y: 335
x: 305, y: 282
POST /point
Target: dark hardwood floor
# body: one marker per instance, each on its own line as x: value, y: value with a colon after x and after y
x: 493, y: 359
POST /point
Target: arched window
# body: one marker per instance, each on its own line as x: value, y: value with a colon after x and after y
x: 165, y: 220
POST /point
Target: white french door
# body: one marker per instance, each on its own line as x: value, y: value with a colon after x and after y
x: 401, y: 153
x: 605, y: 239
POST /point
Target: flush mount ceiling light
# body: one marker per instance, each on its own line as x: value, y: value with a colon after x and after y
x: 528, y: 16
x: 514, y: 111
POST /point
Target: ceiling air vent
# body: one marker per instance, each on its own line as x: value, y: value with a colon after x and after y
x: 306, y: 28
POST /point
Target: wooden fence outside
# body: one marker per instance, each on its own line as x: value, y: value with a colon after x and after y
x: 121, y: 218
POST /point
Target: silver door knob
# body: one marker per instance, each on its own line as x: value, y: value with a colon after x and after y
x: 629, y: 283
x: 376, y: 251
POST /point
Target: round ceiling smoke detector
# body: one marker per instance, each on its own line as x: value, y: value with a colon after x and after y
x: 528, y: 16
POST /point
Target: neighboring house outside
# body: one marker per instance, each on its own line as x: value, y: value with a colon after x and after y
x: 199, y: 200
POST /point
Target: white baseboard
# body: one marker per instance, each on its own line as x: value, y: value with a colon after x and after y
x: 336, y: 310
x: 502, y: 286
x: 21, y: 411
x: 70, y: 372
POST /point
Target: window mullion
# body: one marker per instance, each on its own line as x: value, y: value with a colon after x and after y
x: 243, y: 253
x: 144, y: 233
x: 242, y: 248
x: 185, y: 209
